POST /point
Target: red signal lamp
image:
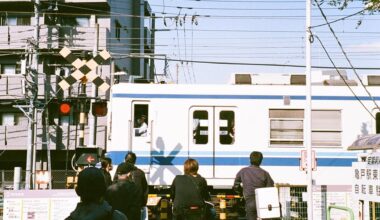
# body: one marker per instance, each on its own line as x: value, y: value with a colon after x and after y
x: 65, y: 108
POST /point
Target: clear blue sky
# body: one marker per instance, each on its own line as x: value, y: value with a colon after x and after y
x: 258, y: 32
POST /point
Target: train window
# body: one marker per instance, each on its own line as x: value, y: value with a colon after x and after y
x: 200, y: 127
x: 326, y: 127
x: 226, y: 127
x: 286, y: 126
x: 140, y: 120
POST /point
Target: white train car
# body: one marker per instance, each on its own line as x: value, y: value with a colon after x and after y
x: 220, y: 125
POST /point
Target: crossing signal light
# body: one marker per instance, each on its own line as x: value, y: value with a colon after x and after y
x: 65, y: 108
x: 99, y: 108
x: 87, y: 155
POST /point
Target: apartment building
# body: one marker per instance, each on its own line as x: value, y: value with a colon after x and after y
x: 122, y: 27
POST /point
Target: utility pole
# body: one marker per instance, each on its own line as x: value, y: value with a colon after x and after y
x: 308, y: 108
x: 33, y: 98
x: 92, y: 121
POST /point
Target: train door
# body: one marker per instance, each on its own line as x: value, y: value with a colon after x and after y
x: 211, y: 128
x: 225, y: 148
x: 141, y: 126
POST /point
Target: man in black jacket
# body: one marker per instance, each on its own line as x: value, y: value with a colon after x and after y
x: 123, y: 195
x: 252, y: 177
x: 91, y: 188
x: 138, y: 177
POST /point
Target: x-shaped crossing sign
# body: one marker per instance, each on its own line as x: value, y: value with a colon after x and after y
x: 84, y: 68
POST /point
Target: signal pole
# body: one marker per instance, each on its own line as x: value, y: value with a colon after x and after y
x: 92, y: 120
x: 33, y: 98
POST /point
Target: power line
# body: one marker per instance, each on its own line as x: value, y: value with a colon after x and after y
x: 341, y: 76
x: 123, y: 56
x: 344, y: 53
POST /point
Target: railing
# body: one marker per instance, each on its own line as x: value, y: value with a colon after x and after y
x: 53, y: 37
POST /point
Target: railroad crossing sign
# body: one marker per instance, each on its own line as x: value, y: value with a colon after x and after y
x: 84, y: 68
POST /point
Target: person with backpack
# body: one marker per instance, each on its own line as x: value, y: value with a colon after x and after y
x: 138, y: 177
x: 188, y: 193
x: 123, y: 195
x: 91, y: 188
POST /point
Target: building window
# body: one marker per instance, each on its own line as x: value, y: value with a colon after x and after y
x: 117, y: 30
x: 75, y: 21
x: 286, y: 127
x: 12, y: 119
x: 8, y: 69
x: 15, y: 20
x: 200, y: 127
x: 83, y: 21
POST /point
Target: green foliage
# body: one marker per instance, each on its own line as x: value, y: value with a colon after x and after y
x: 372, y: 5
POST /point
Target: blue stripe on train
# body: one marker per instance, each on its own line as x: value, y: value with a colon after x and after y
x: 232, y: 161
x: 194, y: 96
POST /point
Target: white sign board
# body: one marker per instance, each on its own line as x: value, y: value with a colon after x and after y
x: 303, y: 162
x: 366, y: 180
x: 39, y: 204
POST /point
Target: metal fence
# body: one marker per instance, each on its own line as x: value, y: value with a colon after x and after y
x: 58, y: 179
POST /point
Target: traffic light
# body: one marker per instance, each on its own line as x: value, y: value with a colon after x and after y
x: 65, y: 108
x: 99, y: 108
x: 377, y: 122
x: 87, y: 155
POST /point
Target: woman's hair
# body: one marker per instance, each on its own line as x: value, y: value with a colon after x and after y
x: 191, y: 166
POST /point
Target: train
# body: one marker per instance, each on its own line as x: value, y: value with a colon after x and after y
x: 220, y: 125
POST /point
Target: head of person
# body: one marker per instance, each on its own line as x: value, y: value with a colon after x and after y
x: 256, y: 157
x: 130, y: 158
x: 191, y: 166
x: 91, y: 185
x: 142, y: 118
x: 123, y: 170
x: 106, y: 163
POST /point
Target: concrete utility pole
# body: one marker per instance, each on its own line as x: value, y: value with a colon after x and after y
x: 33, y: 98
x: 308, y: 108
x: 92, y: 121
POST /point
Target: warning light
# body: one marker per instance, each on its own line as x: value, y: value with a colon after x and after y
x: 87, y: 155
x: 99, y: 108
x: 65, y: 108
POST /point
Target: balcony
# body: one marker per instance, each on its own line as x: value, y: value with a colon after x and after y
x: 53, y: 37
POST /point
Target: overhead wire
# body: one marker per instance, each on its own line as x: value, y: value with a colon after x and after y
x: 345, y: 54
x: 342, y: 77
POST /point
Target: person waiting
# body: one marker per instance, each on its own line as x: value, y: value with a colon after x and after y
x: 91, y: 188
x: 123, y: 195
x: 189, y: 192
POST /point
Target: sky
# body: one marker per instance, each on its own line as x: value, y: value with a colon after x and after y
x: 268, y: 36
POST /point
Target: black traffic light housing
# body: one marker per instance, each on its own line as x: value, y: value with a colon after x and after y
x: 377, y: 123
x: 99, y: 108
x: 85, y: 156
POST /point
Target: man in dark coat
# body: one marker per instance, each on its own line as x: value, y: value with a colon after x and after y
x: 106, y: 168
x: 123, y: 195
x: 252, y: 177
x: 91, y: 188
x: 138, y: 177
